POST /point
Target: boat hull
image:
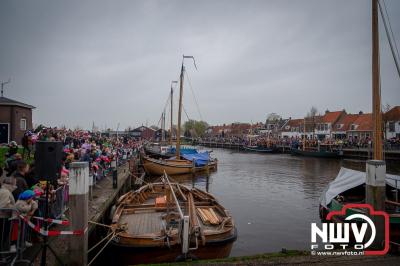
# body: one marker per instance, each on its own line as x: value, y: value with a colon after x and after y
x: 259, y: 149
x: 319, y: 154
x: 174, y: 167
x: 215, y: 249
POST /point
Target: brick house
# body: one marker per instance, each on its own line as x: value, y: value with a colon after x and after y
x: 15, y: 119
x: 143, y: 132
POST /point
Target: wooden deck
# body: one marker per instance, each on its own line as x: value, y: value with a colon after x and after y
x: 145, y: 222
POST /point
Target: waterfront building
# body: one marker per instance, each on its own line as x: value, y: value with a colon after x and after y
x: 143, y: 132
x: 361, y: 127
x: 15, y: 119
x: 392, y: 123
x: 323, y: 125
x: 293, y: 128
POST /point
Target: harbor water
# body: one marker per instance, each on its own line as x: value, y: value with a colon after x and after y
x: 273, y: 198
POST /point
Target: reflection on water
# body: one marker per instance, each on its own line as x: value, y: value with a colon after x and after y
x: 273, y: 198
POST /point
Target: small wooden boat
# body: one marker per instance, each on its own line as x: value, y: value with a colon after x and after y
x: 349, y: 187
x: 167, y: 222
x: 256, y: 148
x: 156, y: 167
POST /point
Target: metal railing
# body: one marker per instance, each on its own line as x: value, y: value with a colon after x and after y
x: 14, y: 237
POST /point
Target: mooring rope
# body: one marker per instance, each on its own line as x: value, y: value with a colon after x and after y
x: 101, y: 250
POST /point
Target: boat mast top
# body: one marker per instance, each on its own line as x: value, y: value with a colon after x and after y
x: 376, y: 90
x: 178, y: 132
x: 172, y: 113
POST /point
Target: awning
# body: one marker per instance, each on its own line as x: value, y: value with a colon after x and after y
x: 347, y: 179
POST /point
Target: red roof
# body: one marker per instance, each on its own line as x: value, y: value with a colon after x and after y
x: 393, y: 114
x: 331, y: 117
x: 295, y: 122
x: 364, y: 122
x: 346, y: 121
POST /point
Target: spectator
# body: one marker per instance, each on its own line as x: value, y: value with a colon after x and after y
x: 6, y: 198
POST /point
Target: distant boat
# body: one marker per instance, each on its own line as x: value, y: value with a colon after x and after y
x: 168, y: 222
x: 198, y: 163
x: 256, y: 148
x: 324, y: 152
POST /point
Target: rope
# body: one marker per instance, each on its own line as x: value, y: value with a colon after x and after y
x: 184, y: 110
x: 390, y: 27
x: 194, y: 95
x: 95, y: 223
x: 101, y: 250
x: 389, y: 39
x: 101, y: 241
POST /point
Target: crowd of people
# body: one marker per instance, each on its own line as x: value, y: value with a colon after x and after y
x: 265, y: 141
x: 23, y: 190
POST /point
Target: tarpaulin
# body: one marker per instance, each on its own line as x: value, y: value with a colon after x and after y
x: 347, y: 179
x: 200, y: 159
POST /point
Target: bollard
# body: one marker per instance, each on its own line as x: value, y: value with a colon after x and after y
x: 115, y: 178
x: 114, y: 174
x: 375, y: 196
x: 78, y: 205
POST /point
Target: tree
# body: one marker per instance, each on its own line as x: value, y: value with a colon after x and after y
x: 193, y: 128
x: 311, y: 120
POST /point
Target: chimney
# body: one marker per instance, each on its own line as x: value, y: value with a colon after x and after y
x: 327, y: 111
x: 360, y: 113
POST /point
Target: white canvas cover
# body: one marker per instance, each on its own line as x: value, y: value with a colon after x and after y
x: 347, y: 179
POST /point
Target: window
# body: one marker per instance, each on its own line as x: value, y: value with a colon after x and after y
x: 391, y: 127
x: 22, y: 124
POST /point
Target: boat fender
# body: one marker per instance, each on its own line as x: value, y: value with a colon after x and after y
x: 112, y: 211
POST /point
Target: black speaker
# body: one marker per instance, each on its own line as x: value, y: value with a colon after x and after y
x: 48, y: 156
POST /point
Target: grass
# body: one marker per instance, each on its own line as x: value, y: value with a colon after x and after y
x: 265, y: 257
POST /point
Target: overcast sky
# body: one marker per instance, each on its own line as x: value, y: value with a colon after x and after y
x: 112, y: 61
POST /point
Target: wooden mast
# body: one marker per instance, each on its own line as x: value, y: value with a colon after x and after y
x: 178, y: 131
x: 163, y: 127
x: 376, y: 93
x: 172, y: 116
x: 304, y: 135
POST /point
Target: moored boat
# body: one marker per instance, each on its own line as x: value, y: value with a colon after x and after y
x: 322, y: 153
x: 256, y: 148
x: 349, y: 187
x: 166, y: 222
x: 156, y: 167
x: 184, y: 162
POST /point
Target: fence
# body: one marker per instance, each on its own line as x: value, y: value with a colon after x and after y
x: 15, y: 237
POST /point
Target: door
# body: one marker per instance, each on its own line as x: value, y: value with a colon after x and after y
x: 4, y: 133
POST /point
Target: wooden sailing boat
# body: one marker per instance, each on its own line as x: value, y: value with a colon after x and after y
x: 349, y: 186
x: 166, y: 222
x: 177, y: 166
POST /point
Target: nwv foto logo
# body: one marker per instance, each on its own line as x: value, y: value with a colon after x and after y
x: 340, y: 233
